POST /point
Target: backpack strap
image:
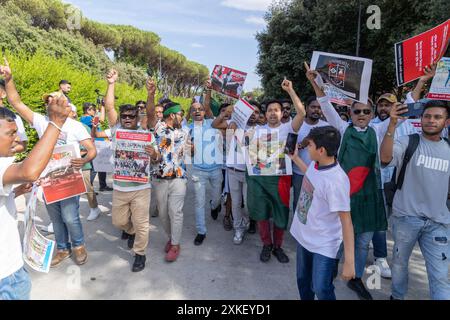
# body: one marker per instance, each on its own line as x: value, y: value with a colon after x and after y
x: 413, y: 143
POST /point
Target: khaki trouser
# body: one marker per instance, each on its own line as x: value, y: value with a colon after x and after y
x: 170, y: 201
x: 90, y: 193
x: 130, y: 214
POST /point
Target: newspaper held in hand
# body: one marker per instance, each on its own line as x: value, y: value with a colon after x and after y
x: 37, y: 249
x: 242, y: 113
x: 131, y: 162
x: 60, y: 180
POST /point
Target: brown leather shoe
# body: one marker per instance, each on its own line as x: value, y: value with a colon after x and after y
x: 80, y: 255
x: 60, y: 256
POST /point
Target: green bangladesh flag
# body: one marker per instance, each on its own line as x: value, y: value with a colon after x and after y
x: 358, y: 156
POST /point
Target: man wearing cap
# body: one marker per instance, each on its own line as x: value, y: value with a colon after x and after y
x: 22, y: 145
x: 384, y: 105
x: 169, y: 178
x: 64, y: 214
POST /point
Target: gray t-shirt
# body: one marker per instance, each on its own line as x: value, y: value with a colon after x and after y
x: 425, y: 188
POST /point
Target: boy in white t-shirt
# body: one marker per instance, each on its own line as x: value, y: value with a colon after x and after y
x: 322, y: 218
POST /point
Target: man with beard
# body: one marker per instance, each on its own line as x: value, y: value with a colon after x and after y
x: 207, y: 163
x: 358, y: 156
x: 419, y: 210
x: 236, y: 167
x: 131, y: 200
x: 287, y: 109
x: 312, y: 120
x: 384, y: 106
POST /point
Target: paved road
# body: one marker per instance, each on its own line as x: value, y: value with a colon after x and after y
x: 216, y: 270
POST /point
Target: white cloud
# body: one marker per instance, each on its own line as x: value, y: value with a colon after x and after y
x: 197, y: 45
x: 247, y: 5
x: 259, y: 21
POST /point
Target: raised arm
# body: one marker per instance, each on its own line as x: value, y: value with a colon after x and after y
x: 31, y: 168
x: 13, y: 96
x: 208, y: 112
x: 382, y: 127
x: 220, y: 122
x: 387, y: 145
x: 111, y: 112
x: 150, y: 106
x: 297, y: 160
x: 429, y: 73
x: 102, y: 116
x: 328, y: 110
x: 299, y: 107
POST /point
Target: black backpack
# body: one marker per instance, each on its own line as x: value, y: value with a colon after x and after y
x: 392, y: 186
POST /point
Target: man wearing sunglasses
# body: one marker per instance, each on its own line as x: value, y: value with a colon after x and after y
x: 358, y: 156
x: 131, y: 200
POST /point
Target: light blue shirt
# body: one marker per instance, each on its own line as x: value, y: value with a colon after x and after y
x: 207, y: 154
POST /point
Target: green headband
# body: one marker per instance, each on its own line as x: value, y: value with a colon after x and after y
x: 173, y: 109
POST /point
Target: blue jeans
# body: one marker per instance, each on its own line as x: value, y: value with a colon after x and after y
x: 65, y: 217
x: 434, y: 243
x: 16, y: 287
x: 379, y: 244
x: 297, y: 181
x: 315, y: 275
x: 200, y: 179
x: 362, y: 241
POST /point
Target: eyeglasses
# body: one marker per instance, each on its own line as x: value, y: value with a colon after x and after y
x: 365, y: 111
x: 128, y: 116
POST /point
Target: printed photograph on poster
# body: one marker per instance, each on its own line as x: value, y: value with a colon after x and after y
x: 440, y: 86
x: 60, y: 180
x: 104, y: 161
x: 266, y: 157
x: 349, y: 76
x: 241, y: 113
x: 228, y: 81
x: 131, y: 162
x: 37, y: 249
x: 414, y: 54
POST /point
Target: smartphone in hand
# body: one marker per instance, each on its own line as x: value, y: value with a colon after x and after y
x: 291, y: 143
x: 414, y: 110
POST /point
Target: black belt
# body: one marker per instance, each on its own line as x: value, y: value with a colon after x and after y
x: 236, y: 170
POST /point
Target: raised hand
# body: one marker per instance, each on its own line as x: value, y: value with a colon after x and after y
x: 429, y: 72
x: 208, y: 84
x: 112, y: 76
x: 396, y: 112
x: 58, y: 109
x: 311, y: 75
x: 287, y: 86
x: 151, y: 86
x: 5, y: 70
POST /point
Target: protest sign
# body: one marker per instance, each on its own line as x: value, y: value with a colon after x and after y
x: 228, y: 81
x: 414, y: 54
x: 104, y: 161
x: 440, y: 87
x: 37, y: 249
x: 241, y: 113
x: 349, y: 76
x: 131, y: 162
x: 266, y: 157
x: 60, y: 180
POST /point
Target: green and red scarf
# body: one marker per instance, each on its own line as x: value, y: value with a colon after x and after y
x: 358, y: 156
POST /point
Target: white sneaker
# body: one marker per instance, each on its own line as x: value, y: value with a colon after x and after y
x: 93, y: 214
x: 238, y: 237
x: 383, y: 266
x: 50, y: 228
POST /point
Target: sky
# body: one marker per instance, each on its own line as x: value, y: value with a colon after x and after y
x: 209, y: 32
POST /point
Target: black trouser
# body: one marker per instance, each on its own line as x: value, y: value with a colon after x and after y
x: 101, y: 178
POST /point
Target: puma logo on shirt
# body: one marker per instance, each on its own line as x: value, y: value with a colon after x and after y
x: 433, y: 163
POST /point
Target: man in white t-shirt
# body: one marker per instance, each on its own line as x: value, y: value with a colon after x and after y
x: 131, y: 200
x: 15, y: 283
x: 22, y: 144
x: 322, y: 219
x: 64, y: 215
x: 312, y: 120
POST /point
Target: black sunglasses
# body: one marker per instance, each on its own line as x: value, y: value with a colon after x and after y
x: 365, y: 111
x: 128, y: 116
